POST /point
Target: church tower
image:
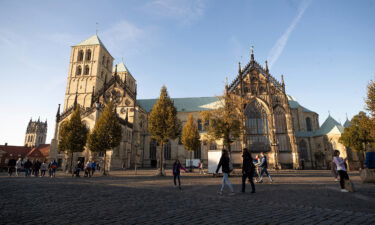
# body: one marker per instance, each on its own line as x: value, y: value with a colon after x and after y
x: 36, y: 133
x: 90, y: 67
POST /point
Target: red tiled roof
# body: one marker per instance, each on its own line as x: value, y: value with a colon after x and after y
x: 42, y: 151
x: 16, y: 151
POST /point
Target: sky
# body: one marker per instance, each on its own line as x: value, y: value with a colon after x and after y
x: 324, y: 49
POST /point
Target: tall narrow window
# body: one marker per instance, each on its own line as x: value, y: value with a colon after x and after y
x: 78, y: 70
x: 80, y: 56
x: 308, y: 124
x: 257, y: 127
x: 167, y: 151
x: 88, y: 55
x: 281, y: 129
x: 87, y: 70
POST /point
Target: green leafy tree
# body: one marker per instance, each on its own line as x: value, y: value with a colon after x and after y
x: 190, y: 137
x: 73, y: 135
x: 370, y: 98
x: 163, y: 123
x: 226, y: 122
x: 358, y: 135
x: 106, y: 134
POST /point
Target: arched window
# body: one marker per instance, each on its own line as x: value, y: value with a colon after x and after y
x: 88, y: 55
x: 80, y: 56
x: 87, y: 70
x: 281, y: 129
x: 198, y: 153
x: 308, y: 124
x: 79, y: 70
x: 167, y: 151
x: 303, y: 150
x: 200, y: 127
x: 257, y: 127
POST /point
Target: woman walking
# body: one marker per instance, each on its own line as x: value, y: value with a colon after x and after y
x: 248, y: 170
x: 341, y: 169
x: 176, y: 172
x: 224, y: 164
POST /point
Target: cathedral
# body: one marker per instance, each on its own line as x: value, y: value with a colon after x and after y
x: 275, y: 122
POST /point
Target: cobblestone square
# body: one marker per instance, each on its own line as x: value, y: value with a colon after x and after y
x: 295, y: 197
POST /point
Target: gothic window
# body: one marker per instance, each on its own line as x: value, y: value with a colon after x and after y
x: 87, y: 70
x: 280, y: 121
x: 257, y: 127
x: 80, y: 56
x: 308, y: 124
x: 200, y: 127
x: 88, y: 55
x: 167, y: 151
x: 303, y: 150
x: 198, y: 153
x: 79, y: 70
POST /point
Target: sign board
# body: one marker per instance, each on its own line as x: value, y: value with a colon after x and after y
x: 213, y: 160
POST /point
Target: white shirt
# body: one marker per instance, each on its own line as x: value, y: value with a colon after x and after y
x: 340, y: 163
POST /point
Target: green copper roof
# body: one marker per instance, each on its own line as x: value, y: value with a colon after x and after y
x: 328, y: 125
x: 347, y: 123
x: 183, y: 104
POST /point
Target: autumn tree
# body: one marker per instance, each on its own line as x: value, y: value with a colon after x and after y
x: 163, y: 123
x: 190, y: 137
x: 106, y: 134
x: 358, y: 135
x: 73, y: 135
x: 226, y: 122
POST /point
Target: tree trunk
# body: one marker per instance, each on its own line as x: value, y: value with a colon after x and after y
x: 104, y: 163
x: 161, y: 159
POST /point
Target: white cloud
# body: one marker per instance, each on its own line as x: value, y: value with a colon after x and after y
x: 279, y: 46
x: 185, y: 11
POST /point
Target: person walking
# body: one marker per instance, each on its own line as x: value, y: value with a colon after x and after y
x: 93, y: 168
x: 256, y: 162
x: 52, y: 168
x: 36, y: 168
x: 27, y: 166
x: 88, y: 169
x: 18, y: 166
x: 224, y: 164
x: 263, y: 168
x: 11, y: 166
x: 341, y: 169
x: 248, y: 170
x: 200, y: 166
x: 176, y: 172
x: 43, y: 168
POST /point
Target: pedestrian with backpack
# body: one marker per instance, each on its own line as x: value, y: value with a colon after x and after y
x: 224, y: 163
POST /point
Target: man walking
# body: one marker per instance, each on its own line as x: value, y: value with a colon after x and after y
x: 248, y: 170
x: 263, y: 168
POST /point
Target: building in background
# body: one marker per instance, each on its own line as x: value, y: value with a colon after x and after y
x: 36, y: 133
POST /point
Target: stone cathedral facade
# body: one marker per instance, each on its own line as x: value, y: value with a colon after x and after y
x: 276, y: 123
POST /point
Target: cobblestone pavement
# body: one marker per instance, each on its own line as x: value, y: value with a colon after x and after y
x: 295, y: 197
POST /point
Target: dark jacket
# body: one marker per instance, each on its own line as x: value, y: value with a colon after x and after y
x: 224, y: 163
x: 28, y: 164
x: 263, y: 162
x: 247, y: 163
x: 177, y: 168
x: 12, y: 163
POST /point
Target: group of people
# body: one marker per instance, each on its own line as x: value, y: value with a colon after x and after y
x: 34, y: 168
x: 89, y: 168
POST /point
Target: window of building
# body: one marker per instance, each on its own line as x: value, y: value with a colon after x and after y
x: 257, y: 127
x: 303, y: 150
x: 280, y: 121
x: 167, y: 151
x: 78, y: 70
x: 308, y: 124
x: 88, y: 55
x: 153, y: 145
x: 198, y: 153
x: 87, y: 70
x: 200, y: 127
x: 80, y: 56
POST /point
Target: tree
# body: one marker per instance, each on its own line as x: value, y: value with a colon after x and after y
x: 226, y: 122
x: 358, y: 135
x: 190, y: 137
x: 107, y: 133
x: 370, y: 99
x: 163, y: 123
x: 73, y: 135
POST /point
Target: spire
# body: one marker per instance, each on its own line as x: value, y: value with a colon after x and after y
x: 38, y: 119
x: 239, y: 68
x: 282, y: 83
x: 58, y: 114
x: 252, y: 54
x: 75, y: 100
x: 116, y: 70
x: 267, y: 70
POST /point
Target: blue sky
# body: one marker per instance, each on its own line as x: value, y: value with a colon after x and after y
x: 325, y: 49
